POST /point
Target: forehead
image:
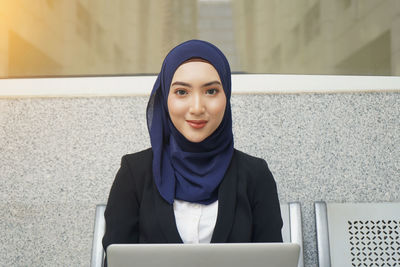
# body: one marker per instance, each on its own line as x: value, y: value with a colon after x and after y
x: 196, y: 69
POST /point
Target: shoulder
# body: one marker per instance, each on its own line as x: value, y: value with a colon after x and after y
x: 253, y: 169
x: 249, y: 162
x: 143, y: 155
x: 139, y: 161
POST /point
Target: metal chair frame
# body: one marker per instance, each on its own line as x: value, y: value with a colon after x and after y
x: 291, y: 232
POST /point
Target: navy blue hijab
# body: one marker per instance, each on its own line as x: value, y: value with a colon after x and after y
x: 183, y: 169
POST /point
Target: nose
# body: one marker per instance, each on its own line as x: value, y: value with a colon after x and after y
x: 197, y: 105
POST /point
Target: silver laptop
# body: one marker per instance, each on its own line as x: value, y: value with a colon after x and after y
x: 204, y: 255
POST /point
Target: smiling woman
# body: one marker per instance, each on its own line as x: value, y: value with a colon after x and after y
x: 192, y: 186
x: 196, y: 100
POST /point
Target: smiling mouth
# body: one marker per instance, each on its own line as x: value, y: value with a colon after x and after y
x: 197, y: 124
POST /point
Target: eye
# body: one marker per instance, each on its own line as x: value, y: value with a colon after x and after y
x: 180, y: 92
x: 212, y: 91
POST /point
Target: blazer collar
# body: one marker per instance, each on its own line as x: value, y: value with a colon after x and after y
x: 166, y: 218
x: 226, y: 209
x: 226, y: 204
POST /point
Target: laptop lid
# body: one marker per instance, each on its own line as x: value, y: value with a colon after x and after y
x: 204, y: 255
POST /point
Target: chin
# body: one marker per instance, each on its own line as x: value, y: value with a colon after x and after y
x: 195, y: 139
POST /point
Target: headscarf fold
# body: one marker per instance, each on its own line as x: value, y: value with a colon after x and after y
x: 183, y: 169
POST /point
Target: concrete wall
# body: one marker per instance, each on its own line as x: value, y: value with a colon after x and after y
x: 59, y: 156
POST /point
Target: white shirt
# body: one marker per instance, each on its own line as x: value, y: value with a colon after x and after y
x: 195, y: 222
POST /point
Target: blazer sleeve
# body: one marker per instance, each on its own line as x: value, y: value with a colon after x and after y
x: 267, y: 220
x: 122, y: 211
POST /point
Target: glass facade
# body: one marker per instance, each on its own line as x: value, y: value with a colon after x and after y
x: 51, y: 38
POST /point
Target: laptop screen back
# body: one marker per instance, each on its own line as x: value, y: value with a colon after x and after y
x: 204, y: 255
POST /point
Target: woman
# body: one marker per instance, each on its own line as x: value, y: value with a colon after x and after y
x: 192, y: 186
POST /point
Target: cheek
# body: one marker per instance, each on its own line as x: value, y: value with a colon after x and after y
x: 217, y: 108
x: 176, y: 107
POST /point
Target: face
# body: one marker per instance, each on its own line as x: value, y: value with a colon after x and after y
x: 196, y: 100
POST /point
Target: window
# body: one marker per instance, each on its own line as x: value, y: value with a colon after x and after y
x: 131, y: 37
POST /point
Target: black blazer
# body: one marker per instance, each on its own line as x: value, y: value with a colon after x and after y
x: 248, y: 205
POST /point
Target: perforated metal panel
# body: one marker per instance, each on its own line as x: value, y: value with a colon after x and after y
x: 374, y: 243
x: 362, y: 234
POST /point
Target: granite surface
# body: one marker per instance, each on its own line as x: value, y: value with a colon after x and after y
x: 59, y: 156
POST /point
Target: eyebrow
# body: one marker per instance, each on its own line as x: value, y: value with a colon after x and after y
x: 212, y: 83
x: 188, y: 85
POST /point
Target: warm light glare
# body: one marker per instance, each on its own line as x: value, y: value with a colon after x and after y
x: 77, y: 37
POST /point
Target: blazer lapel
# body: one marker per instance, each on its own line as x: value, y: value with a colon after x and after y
x: 226, y: 204
x: 164, y: 213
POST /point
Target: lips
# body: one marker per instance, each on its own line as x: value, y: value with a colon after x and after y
x: 197, y: 124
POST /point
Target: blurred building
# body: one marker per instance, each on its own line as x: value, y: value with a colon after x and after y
x: 100, y: 37
x: 318, y: 36
x: 91, y: 37
x: 215, y: 24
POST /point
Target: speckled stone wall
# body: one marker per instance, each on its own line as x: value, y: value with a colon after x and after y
x: 58, y: 158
